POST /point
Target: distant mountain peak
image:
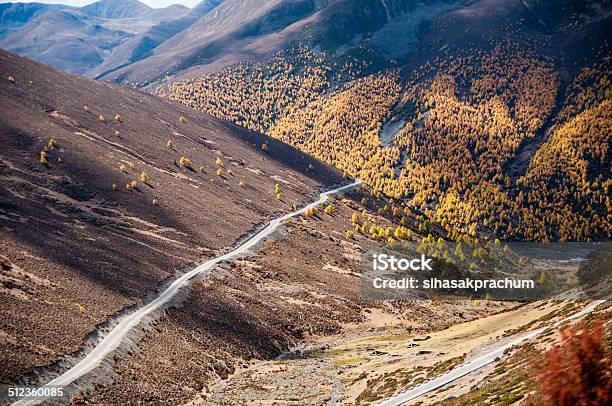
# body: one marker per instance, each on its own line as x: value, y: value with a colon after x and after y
x: 113, y: 9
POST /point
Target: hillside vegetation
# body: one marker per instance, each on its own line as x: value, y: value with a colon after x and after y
x: 504, y: 138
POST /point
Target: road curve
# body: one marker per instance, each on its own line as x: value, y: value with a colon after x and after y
x: 115, y: 336
x: 477, y: 363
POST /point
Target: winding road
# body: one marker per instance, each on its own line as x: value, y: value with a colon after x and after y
x: 114, y: 337
x: 478, y: 362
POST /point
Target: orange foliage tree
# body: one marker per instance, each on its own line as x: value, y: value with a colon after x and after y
x: 579, y: 372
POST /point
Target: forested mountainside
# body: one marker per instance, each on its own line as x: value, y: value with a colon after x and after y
x: 498, y: 122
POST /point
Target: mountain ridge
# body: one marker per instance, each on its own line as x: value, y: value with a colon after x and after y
x: 113, y: 9
x: 139, y: 46
x: 80, y: 39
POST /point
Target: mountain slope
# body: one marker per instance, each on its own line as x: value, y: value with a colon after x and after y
x: 171, y: 12
x: 15, y: 15
x: 202, y: 41
x: 80, y: 242
x: 213, y: 33
x: 66, y: 39
x: 243, y: 30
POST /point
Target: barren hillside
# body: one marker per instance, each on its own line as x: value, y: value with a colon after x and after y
x: 80, y: 241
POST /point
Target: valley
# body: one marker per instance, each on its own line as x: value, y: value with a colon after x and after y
x: 370, y: 369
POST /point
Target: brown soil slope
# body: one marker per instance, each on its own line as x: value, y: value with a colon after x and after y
x: 74, y: 249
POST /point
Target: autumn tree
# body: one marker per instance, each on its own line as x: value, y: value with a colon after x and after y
x: 579, y: 371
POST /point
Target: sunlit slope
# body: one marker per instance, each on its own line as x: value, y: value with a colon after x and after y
x: 464, y: 130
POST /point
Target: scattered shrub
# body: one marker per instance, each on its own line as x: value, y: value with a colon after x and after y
x: 117, y: 133
x: 11, y: 78
x: 329, y: 209
x: 170, y: 144
x: 43, y: 157
x: 219, y: 162
x: 349, y: 234
x: 278, y: 192
x: 219, y: 172
x: 123, y: 168
x: 118, y: 118
x: 114, y: 186
x: 241, y: 184
x: 144, y: 177
x: 87, y: 109
x: 101, y: 118
x: 185, y: 162
x: 155, y: 202
x: 264, y: 146
x: 182, y: 120
x: 309, y: 212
